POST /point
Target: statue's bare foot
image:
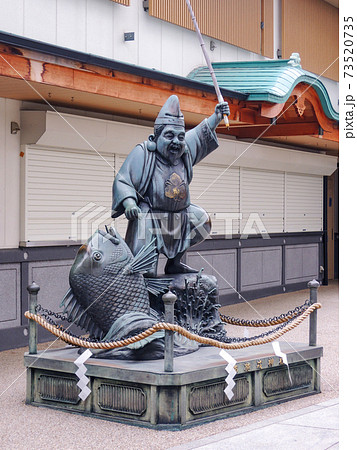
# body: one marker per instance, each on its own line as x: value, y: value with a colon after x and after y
x: 172, y: 268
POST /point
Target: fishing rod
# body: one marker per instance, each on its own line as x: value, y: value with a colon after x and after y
x: 208, y: 62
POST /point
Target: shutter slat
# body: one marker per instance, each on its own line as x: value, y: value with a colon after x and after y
x: 62, y: 182
x: 216, y: 190
x: 262, y: 193
x: 304, y: 202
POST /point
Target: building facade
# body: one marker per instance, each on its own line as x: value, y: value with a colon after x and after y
x: 81, y: 84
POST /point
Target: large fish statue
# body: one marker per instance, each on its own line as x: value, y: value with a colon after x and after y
x: 108, y: 295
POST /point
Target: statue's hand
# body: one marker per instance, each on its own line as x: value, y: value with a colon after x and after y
x: 221, y: 109
x: 132, y: 210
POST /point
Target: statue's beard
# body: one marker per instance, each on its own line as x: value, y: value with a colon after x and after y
x: 174, y: 152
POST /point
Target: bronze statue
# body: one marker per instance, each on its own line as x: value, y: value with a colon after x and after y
x: 109, y: 296
x: 152, y: 186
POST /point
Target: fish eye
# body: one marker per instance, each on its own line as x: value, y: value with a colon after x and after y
x: 97, y: 256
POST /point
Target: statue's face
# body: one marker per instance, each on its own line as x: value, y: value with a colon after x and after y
x: 171, y: 142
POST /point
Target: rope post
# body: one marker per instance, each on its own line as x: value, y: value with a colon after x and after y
x: 33, y: 291
x: 313, y: 286
x: 169, y: 301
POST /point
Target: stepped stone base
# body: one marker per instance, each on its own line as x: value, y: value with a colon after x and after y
x: 141, y: 393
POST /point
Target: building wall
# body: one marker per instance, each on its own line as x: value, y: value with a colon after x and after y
x: 236, y: 22
x: 310, y: 27
x: 9, y: 174
x: 98, y: 27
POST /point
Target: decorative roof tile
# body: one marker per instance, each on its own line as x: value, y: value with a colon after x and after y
x: 268, y: 80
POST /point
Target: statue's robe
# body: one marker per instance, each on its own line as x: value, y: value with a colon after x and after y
x: 167, y: 213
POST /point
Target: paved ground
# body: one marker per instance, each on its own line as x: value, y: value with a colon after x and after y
x: 310, y: 422
x: 314, y: 427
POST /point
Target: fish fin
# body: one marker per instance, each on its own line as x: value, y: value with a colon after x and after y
x: 144, y: 259
x: 77, y: 314
x: 133, y: 323
x: 67, y: 298
x: 140, y: 344
x: 157, y: 285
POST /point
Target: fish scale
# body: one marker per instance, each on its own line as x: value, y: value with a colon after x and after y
x: 122, y: 294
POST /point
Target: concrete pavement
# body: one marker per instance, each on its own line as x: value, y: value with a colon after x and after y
x: 315, y: 427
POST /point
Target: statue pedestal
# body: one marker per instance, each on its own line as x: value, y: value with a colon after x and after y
x: 141, y: 393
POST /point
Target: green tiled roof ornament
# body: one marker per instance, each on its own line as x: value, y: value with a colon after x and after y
x: 295, y: 60
x: 271, y: 80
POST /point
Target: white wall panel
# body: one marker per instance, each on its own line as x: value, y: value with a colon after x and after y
x: 100, y: 27
x: 9, y: 174
x: 71, y: 24
x: 262, y: 194
x: 216, y: 190
x: 125, y: 20
x: 150, y: 41
x: 12, y: 16
x: 304, y: 202
x: 191, y: 52
x: 172, y: 48
x: 40, y: 20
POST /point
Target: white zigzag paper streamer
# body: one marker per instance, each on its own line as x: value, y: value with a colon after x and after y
x: 83, y: 380
x: 283, y: 356
x: 231, y: 373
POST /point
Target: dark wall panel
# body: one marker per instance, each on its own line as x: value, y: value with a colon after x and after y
x: 52, y: 277
x: 220, y: 263
x: 261, y: 267
x: 301, y: 263
x: 9, y: 295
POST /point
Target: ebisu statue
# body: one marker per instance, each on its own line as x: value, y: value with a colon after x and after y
x: 111, y: 279
x: 152, y: 186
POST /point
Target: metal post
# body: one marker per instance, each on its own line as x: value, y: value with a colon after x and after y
x: 169, y: 301
x: 313, y: 286
x: 33, y: 291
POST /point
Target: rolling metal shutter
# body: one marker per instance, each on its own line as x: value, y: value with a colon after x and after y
x: 304, y: 202
x: 67, y: 194
x: 64, y: 186
x: 216, y: 189
x: 262, y: 197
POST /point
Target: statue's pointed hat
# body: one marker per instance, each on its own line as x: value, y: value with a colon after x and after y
x: 170, y: 113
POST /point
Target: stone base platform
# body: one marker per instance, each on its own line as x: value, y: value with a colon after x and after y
x: 141, y: 393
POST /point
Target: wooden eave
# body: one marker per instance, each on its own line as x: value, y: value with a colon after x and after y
x: 30, y: 75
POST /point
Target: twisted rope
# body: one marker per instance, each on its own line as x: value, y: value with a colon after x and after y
x: 170, y: 327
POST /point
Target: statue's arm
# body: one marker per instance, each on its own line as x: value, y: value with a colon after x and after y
x: 202, y: 139
x: 126, y: 185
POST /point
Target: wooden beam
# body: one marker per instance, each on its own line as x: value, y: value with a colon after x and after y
x: 271, y: 110
x: 140, y: 90
x: 289, y: 129
x: 109, y: 83
x: 309, y: 93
